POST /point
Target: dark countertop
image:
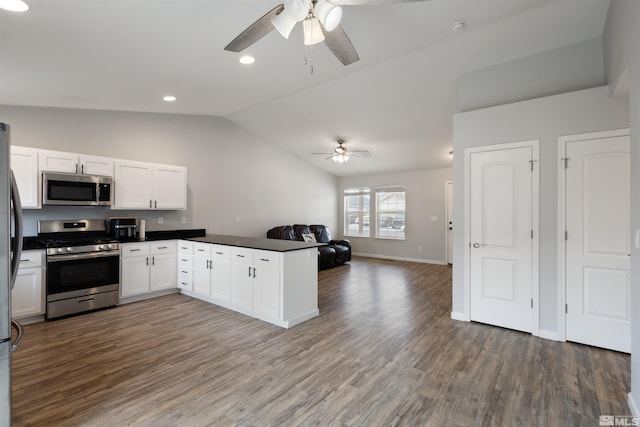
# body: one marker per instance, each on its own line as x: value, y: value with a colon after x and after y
x: 274, y: 245
x: 31, y: 243
x: 175, y: 234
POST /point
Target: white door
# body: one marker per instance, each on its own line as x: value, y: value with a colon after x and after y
x: 449, y: 218
x: 501, y: 224
x: 598, y: 243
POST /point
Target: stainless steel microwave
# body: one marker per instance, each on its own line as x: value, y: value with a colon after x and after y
x: 68, y: 189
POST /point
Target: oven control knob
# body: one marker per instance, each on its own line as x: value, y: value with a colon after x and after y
x: 59, y: 250
x: 101, y: 247
x: 110, y: 247
x: 69, y: 249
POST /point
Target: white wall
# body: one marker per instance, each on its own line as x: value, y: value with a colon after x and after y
x: 425, y: 197
x: 621, y: 41
x: 545, y: 119
x: 231, y: 172
x: 566, y: 69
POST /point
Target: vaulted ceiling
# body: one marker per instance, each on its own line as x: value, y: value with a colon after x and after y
x: 397, y: 101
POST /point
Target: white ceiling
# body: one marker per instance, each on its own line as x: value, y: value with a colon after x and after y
x: 397, y: 101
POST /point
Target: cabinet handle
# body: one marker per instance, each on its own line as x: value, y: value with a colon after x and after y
x: 76, y: 168
x: 219, y: 253
x: 264, y: 259
x: 147, y: 260
x: 150, y: 204
x: 254, y: 272
x: 183, y: 283
x: 183, y: 259
x: 183, y: 247
x: 200, y: 250
x: 249, y: 271
x: 162, y: 247
x: 240, y: 256
x: 82, y: 169
x: 25, y: 260
x: 153, y: 260
x: 134, y: 250
x: 184, y: 271
x: 156, y: 204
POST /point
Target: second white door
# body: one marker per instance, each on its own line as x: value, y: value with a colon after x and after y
x: 597, y: 268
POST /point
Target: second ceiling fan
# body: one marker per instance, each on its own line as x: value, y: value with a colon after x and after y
x: 320, y: 20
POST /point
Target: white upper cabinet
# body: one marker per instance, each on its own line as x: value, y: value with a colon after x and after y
x: 59, y: 161
x: 141, y: 185
x: 24, y: 163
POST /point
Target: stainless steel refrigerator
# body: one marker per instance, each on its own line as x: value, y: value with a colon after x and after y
x: 10, y: 249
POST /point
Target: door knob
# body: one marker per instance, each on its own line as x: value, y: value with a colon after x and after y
x: 476, y: 245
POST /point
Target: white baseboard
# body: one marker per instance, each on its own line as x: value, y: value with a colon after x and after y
x: 550, y: 335
x: 395, y: 258
x: 633, y: 406
x: 458, y: 316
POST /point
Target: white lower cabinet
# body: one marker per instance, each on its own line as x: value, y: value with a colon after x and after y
x: 255, y: 282
x: 147, y: 267
x: 211, y: 272
x: 27, y: 297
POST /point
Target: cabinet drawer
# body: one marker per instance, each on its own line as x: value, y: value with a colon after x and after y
x: 202, y: 249
x: 185, y: 261
x: 267, y: 258
x: 220, y: 252
x: 30, y: 259
x: 185, y: 278
x: 165, y: 246
x: 134, y: 249
x: 185, y: 247
x: 242, y: 255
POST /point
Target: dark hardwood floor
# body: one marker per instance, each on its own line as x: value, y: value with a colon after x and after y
x: 383, y: 352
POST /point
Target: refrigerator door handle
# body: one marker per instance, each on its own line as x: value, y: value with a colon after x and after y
x: 17, y: 235
x: 18, y: 327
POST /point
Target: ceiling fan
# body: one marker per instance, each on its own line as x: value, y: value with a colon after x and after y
x: 340, y: 153
x: 320, y: 20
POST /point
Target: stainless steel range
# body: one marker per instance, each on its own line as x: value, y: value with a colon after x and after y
x: 83, y: 266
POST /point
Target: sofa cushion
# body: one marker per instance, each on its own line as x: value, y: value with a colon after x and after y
x: 322, y: 233
x: 284, y: 232
x: 299, y: 230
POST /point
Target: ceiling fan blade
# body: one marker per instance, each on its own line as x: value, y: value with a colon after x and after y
x: 369, y: 2
x: 255, y: 31
x: 339, y: 43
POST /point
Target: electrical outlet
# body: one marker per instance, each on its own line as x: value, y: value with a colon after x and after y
x: 160, y: 220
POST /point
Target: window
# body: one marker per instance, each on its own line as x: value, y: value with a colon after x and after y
x: 390, y: 210
x: 357, y: 203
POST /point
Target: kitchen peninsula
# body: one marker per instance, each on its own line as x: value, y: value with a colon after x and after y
x: 272, y: 280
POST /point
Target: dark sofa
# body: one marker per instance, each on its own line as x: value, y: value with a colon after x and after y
x: 335, y: 253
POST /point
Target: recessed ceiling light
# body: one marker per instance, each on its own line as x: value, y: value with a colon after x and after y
x: 247, y: 60
x: 169, y: 98
x: 14, y: 5
x: 457, y: 26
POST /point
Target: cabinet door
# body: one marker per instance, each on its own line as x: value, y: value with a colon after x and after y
x: 201, y: 275
x: 163, y: 271
x: 24, y: 163
x: 133, y: 184
x: 241, y: 292
x: 92, y: 165
x: 170, y: 187
x: 221, y: 274
x: 58, y: 161
x: 27, y: 298
x: 266, y: 284
x: 134, y: 275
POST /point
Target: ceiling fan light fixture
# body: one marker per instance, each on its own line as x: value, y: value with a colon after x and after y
x: 284, y: 24
x: 312, y: 31
x: 340, y: 157
x: 296, y: 9
x: 14, y: 5
x: 328, y: 14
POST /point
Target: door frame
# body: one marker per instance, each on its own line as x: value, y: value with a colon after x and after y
x: 562, y: 210
x: 446, y: 223
x: 534, y: 144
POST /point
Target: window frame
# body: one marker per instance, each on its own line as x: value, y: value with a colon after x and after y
x: 391, y: 214
x: 363, y: 193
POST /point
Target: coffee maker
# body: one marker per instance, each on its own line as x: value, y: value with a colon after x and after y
x: 124, y: 228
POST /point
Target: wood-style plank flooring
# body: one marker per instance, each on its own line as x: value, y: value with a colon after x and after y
x: 383, y: 352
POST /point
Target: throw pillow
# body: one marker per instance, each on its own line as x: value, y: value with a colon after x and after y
x: 310, y: 237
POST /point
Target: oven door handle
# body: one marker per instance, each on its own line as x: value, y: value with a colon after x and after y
x: 91, y: 255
